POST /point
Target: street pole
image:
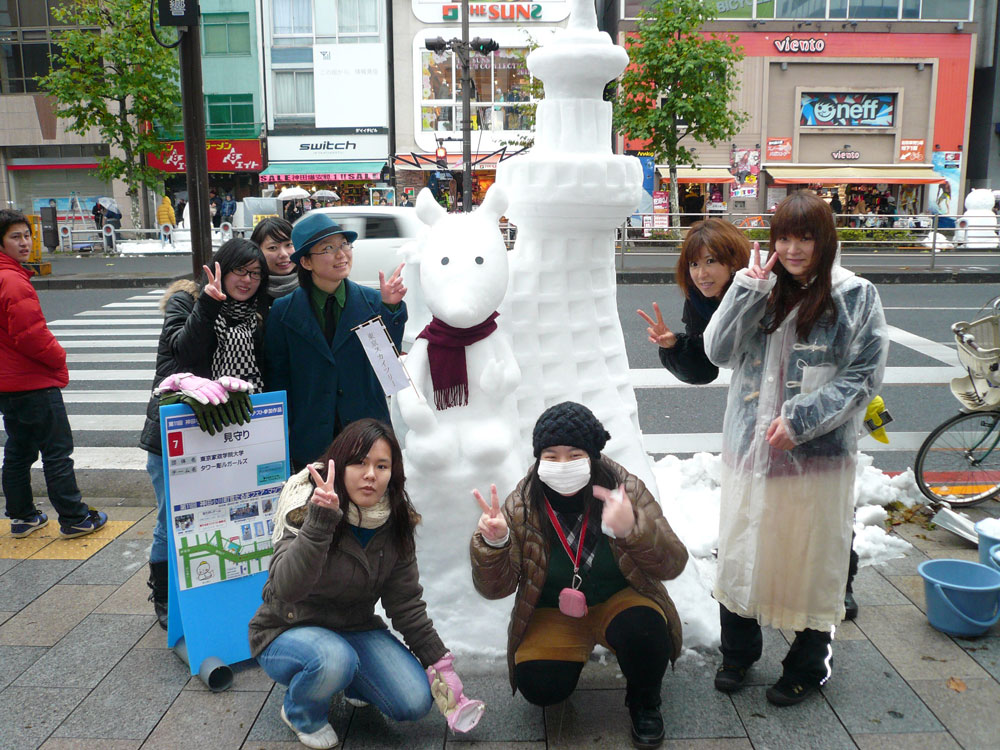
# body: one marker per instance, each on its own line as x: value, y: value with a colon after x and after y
x: 193, y: 105
x: 466, y: 113
x: 391, y: 112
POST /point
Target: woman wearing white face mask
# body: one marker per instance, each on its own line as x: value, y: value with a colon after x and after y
x: 585, y: 547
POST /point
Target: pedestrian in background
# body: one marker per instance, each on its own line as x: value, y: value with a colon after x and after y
x: 807, y: 342
x: 228, y: 208
x: 32, y: 375
x: 98, y: 213
x: 215, y: 207
x: 312, y: 351
x: 165, y: 213
x: 209, y: 330
x: 583, y: 546
x: 274, y: 237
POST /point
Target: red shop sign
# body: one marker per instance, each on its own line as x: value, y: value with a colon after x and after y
x: 225, y: 155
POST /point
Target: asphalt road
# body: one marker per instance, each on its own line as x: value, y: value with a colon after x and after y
x: 111, y: 337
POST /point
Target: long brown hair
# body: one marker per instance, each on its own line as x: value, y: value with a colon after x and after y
x: 727, y: 244
x: 350, y: 447
x: 803, y: 214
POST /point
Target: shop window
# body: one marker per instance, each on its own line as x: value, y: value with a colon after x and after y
x: 802, y: 8
x: 873, y: 9
x: 500, y: 91
x: 226, y: 33
x: 949, y: 10
x: 332, y: 21
x: 293, y: 93
x: 230, y: 116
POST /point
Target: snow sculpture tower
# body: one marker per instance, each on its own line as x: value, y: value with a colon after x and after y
x: 568, y: 195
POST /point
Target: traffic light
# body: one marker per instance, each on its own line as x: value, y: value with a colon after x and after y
x: 483, y: 46
x: 437, y: 44
x: 441, y: 156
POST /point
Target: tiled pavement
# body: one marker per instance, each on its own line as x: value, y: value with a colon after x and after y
x: 83, y: 666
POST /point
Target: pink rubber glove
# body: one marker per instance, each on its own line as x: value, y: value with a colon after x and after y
x: 446, y: 688
x: 235, y: 385
x: 202, y: 390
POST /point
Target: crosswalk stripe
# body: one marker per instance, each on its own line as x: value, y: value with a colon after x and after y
x: 923, y: 345
x: 104, y: 332
x: 105, y: 422
x: 73, y: 396
x: 154, y: 315
x: 134, y: 343
x: 99, y: 321
x: 145, y: 303
x: 106, y: 458
x: 112, y: 357
x: 84, y: 375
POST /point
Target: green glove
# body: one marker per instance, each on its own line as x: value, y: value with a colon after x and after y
x: 170, y: 398
x: 228, y: 412
x: 241, y: 406
x: 209, y: 418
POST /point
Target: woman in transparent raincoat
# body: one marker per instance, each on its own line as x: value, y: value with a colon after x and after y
x: 807, y: 342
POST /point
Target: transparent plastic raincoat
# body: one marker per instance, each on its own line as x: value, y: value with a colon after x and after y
x: 786, y: 516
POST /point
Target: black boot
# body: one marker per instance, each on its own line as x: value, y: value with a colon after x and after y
x: 850, y: 603
x: 158, y: 583
x: 647, y: 723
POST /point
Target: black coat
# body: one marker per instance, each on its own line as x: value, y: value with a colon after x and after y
x: 187, y: 344
x: 686, y: 359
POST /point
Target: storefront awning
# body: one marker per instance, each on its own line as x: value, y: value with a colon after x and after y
x: 701, y: 174
x: 853, y: 175
x: 428, y: 162
x: 321, y: 171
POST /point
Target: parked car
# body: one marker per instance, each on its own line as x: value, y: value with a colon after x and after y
x: 383, y: 234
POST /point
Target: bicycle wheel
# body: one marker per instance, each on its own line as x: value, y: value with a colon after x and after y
x: 959, y: 462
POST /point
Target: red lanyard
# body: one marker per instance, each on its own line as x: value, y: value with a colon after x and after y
x: 562, y: 536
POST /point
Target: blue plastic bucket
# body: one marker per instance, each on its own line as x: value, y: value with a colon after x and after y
x: 963, y: 598
x: 985, y: 543
x: 994, y: 557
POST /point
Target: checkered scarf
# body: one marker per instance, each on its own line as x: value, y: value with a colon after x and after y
x: 235, y: 355
x: 572, y: 525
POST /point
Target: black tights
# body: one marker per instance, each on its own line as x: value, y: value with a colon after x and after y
x: 641, y: 641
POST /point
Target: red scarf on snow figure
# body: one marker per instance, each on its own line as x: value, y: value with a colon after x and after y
x: 446, y: 357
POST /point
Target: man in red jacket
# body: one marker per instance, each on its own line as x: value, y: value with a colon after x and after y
x: 32, y: 372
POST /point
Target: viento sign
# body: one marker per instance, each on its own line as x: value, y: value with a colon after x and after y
x: 506, y: 11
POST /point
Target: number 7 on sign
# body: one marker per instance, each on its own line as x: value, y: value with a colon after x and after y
x: 175, y: 444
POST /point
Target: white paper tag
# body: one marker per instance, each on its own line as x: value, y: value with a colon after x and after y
x: 382, y: 356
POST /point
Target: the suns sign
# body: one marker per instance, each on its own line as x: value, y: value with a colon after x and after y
x: 497, y: 12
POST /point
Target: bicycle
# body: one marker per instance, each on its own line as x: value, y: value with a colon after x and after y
x: 958, y: 464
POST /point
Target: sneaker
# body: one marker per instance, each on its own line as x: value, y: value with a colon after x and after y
x: 788, y: 691
x: 850, y: 606
x: 95, y: 520
x: 322, y: 739
x: 21, y: 527
x: 730, y: 678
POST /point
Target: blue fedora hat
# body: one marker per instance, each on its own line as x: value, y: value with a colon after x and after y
x: 312, y: 228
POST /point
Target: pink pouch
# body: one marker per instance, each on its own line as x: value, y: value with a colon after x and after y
x: 572, y: 603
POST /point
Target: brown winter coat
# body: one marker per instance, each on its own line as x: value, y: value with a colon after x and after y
x: 651, y: 553
x: 314, y: 583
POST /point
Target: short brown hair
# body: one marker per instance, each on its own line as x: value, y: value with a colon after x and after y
x: 727, y: 244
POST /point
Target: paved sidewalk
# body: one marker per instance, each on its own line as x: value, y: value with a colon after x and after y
x: 83, y: 666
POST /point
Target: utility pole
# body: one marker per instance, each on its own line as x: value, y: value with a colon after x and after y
x: 390, y: 53
x: 463, y: 48
x: 193, y: 105
x: 463, y: 56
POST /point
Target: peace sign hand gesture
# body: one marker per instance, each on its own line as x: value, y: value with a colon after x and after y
x: 755, y: 271
x: 214, y: 286
x: 324, y: 494
x: 392, y: 288
x: 617, y: 516
x: 658, y: 332
x: 492, y: 524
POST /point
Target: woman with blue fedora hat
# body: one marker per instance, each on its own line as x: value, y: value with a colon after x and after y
x: 312, y: 351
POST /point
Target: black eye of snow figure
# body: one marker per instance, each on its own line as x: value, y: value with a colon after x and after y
x: 444, y: 261
x: 479, y: 259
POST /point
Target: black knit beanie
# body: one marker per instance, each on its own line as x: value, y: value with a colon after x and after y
x: 569, y: 424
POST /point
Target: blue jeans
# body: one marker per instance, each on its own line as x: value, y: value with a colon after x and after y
x: 36, y: 421
x: 316, y: 664
x: 154, y: 467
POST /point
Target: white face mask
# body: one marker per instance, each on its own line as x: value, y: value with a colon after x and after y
x: 565, y: 477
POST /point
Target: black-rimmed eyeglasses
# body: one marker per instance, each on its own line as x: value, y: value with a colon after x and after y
x: 343, y: 246
x: 255, y: 275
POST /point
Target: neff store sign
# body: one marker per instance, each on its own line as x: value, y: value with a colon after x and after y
x: 847, y: 110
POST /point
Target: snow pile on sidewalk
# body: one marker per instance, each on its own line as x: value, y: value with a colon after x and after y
x: 690, y: 494
x: 180, y: 245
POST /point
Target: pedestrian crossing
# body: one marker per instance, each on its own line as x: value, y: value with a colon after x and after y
x: 111, y: 353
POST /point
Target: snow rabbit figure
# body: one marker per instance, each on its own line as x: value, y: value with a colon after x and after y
x: 460, y: 418
x: 978, y: 226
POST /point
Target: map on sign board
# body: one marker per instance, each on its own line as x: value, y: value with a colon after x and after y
x: 222, y: 490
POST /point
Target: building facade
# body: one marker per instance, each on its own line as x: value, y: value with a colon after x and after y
x: 868, y: 101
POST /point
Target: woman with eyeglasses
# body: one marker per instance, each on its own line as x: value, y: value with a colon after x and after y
x: 212, y: 330
x: 312, y: 351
